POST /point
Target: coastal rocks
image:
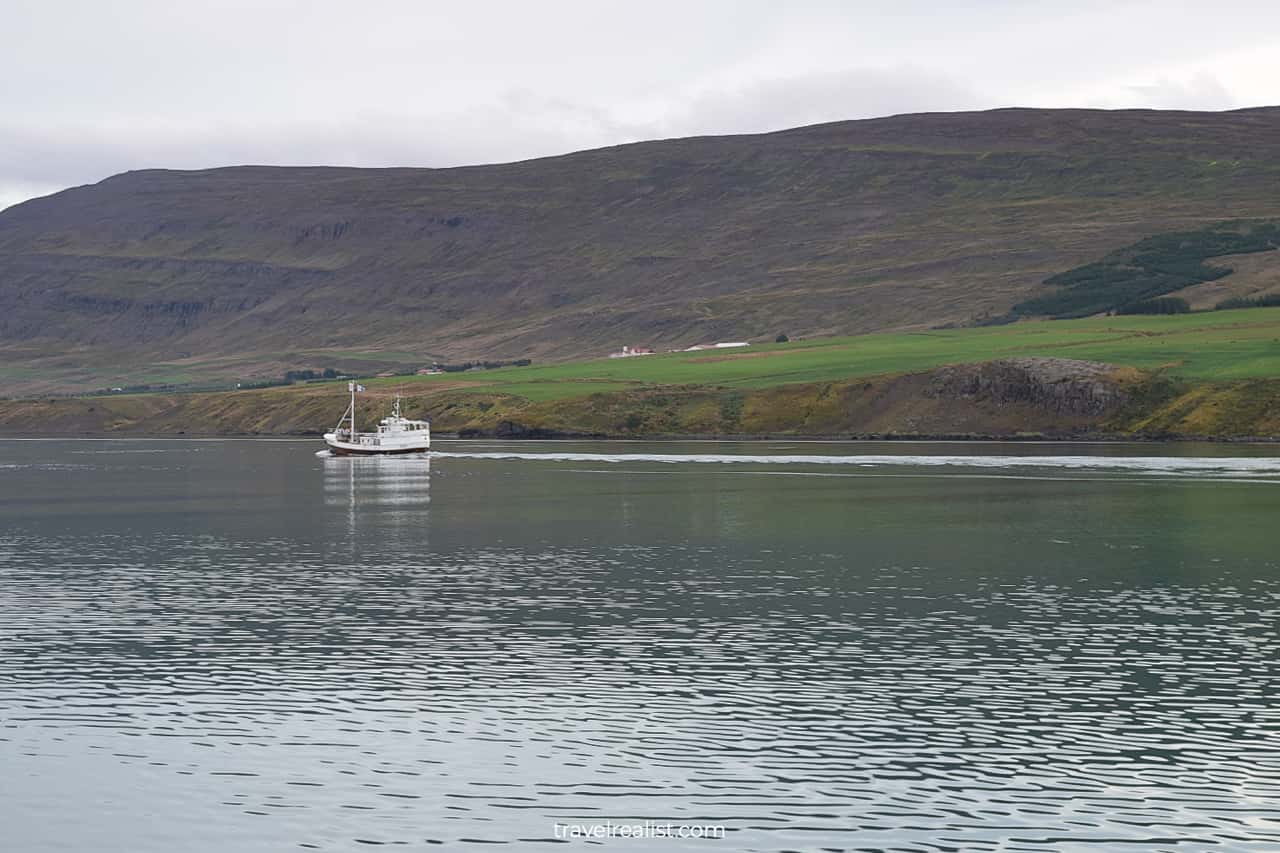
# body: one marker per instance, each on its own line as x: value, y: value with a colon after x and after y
x: 1064, y: 386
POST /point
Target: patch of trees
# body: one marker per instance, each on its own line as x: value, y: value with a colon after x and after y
x: 292, y: 376
x: 482, y: 365
x: 1149, y: 268
x: 1159, y: 305
x: 1271, y: 300
x: 136, y: 389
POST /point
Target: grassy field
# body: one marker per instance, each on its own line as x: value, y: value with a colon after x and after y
x: 1221, y: 345
x: 1212, y: 374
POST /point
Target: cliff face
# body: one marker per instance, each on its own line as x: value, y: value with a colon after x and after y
x: 903, y: 222
x: 1062, y: 386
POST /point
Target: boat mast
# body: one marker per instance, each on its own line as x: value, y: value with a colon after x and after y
x: 351, y: 386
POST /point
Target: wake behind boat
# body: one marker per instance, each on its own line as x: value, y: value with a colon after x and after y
x: 395, y: 434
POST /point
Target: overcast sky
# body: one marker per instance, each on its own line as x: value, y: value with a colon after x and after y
x: 90, y: 88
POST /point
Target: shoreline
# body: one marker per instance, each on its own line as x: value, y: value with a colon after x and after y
x: 690, y: 438
x: 1012, y: 400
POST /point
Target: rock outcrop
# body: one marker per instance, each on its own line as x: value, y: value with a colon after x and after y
x: 1065, y: 386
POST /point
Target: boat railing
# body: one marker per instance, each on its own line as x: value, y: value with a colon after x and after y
x: 358, y: 438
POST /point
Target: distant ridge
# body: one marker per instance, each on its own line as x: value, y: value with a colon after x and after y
x: 906, y: 222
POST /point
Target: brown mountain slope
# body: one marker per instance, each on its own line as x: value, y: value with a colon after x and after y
x: 902, y: 222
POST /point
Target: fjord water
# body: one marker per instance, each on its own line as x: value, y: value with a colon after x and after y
x: 238, y: 645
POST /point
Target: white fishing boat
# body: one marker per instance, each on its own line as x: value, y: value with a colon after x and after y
x: 395, y: 434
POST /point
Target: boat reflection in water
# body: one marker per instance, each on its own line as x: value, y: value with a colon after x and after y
x: 390, y: 491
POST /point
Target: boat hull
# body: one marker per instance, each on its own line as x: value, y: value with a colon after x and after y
x: 364, y: 451
x: 343, y: 448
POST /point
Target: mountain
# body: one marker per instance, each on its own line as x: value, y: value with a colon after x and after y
x: 908, y: 222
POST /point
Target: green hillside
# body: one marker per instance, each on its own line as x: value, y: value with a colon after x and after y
x: 905, y: 223
x: 1209, y: 374
x: 1219, y: 345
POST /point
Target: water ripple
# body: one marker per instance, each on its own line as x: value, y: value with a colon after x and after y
x: 257, y: 691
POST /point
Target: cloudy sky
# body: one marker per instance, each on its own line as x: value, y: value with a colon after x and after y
x: 89, y: 88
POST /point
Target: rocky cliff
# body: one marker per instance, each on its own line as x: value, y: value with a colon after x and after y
x: 1063, y: 386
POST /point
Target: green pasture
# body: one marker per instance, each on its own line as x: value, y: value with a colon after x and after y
x: 1218, y: 345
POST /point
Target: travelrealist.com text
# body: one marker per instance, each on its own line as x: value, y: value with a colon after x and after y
x: 648, y: 829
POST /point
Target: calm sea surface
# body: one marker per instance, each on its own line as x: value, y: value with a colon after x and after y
x: 242, y: 646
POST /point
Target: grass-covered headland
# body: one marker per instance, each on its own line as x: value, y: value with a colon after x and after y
x: 1214, y: 374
